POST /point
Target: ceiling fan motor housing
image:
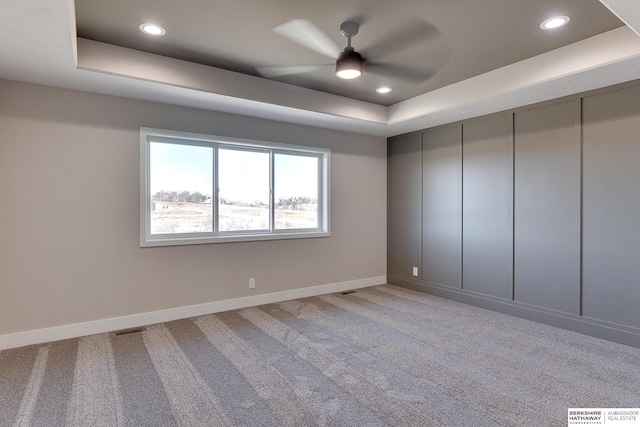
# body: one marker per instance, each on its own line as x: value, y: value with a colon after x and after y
x: 349, y: 64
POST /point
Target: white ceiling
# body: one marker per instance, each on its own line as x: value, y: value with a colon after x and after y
x: 38, y: 44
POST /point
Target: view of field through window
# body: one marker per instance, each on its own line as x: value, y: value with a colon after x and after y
x: 296, y: 191
x: 244, y: 190
x: 181, y: 186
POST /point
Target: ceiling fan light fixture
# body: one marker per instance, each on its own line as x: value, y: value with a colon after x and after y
x: 349, y: 64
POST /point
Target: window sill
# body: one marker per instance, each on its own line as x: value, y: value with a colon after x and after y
x: 229, y: 238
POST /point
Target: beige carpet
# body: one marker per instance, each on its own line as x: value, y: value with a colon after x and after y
x: 377, y: 357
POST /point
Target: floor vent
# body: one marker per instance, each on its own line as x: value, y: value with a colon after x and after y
x: 348, y: 292
x: 129, y: 331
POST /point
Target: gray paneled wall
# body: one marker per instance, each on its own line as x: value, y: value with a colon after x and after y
x: 533, y: 212
x: 547, y: 216
x: 486, y: 206
x: 404, y: 205
x: 611, y: 206
x: 442, y: 206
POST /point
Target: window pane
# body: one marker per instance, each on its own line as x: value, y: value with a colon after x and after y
x: 296, y: 191
x: 243, y: 179
x: 181, y: 188
x: 200, y: 189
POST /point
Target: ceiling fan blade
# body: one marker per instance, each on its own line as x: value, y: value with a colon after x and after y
x: 288, y: 70
x: 415, y: 32
x: 307, y: 34
x: 413, y: 76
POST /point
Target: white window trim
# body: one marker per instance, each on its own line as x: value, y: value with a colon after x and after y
x: 149, y: 240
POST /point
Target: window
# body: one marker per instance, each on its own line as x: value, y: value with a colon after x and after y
x: 206, y: 189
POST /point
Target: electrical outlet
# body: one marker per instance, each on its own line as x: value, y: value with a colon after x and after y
x: 252, y: 283
x: 415, y: 271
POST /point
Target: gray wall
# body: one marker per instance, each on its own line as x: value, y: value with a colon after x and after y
x: 486, y: 212
x: 549, y: 217
x: 546, y: 202
x: 442, y: 206
x: 611, y: 207
x: 69, y: 213
x: 404, y: 225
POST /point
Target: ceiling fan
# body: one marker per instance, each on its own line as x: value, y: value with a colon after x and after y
x: 349, y: 63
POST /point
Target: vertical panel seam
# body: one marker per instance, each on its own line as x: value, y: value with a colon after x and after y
x: 420, y: 259
x: 462, y: 206
x: 579, y: 203
x: 513, y: 206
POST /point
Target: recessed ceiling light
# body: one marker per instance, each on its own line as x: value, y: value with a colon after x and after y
x: 152, y: 29
x: 554, y: 22
x: 383, y: 89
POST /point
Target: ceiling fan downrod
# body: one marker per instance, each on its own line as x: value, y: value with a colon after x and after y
x: 349, y: 29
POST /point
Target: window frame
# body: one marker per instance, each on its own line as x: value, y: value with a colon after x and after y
x: 148, y: 135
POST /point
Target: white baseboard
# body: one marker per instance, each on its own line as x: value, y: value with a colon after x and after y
x: 39, y: 336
